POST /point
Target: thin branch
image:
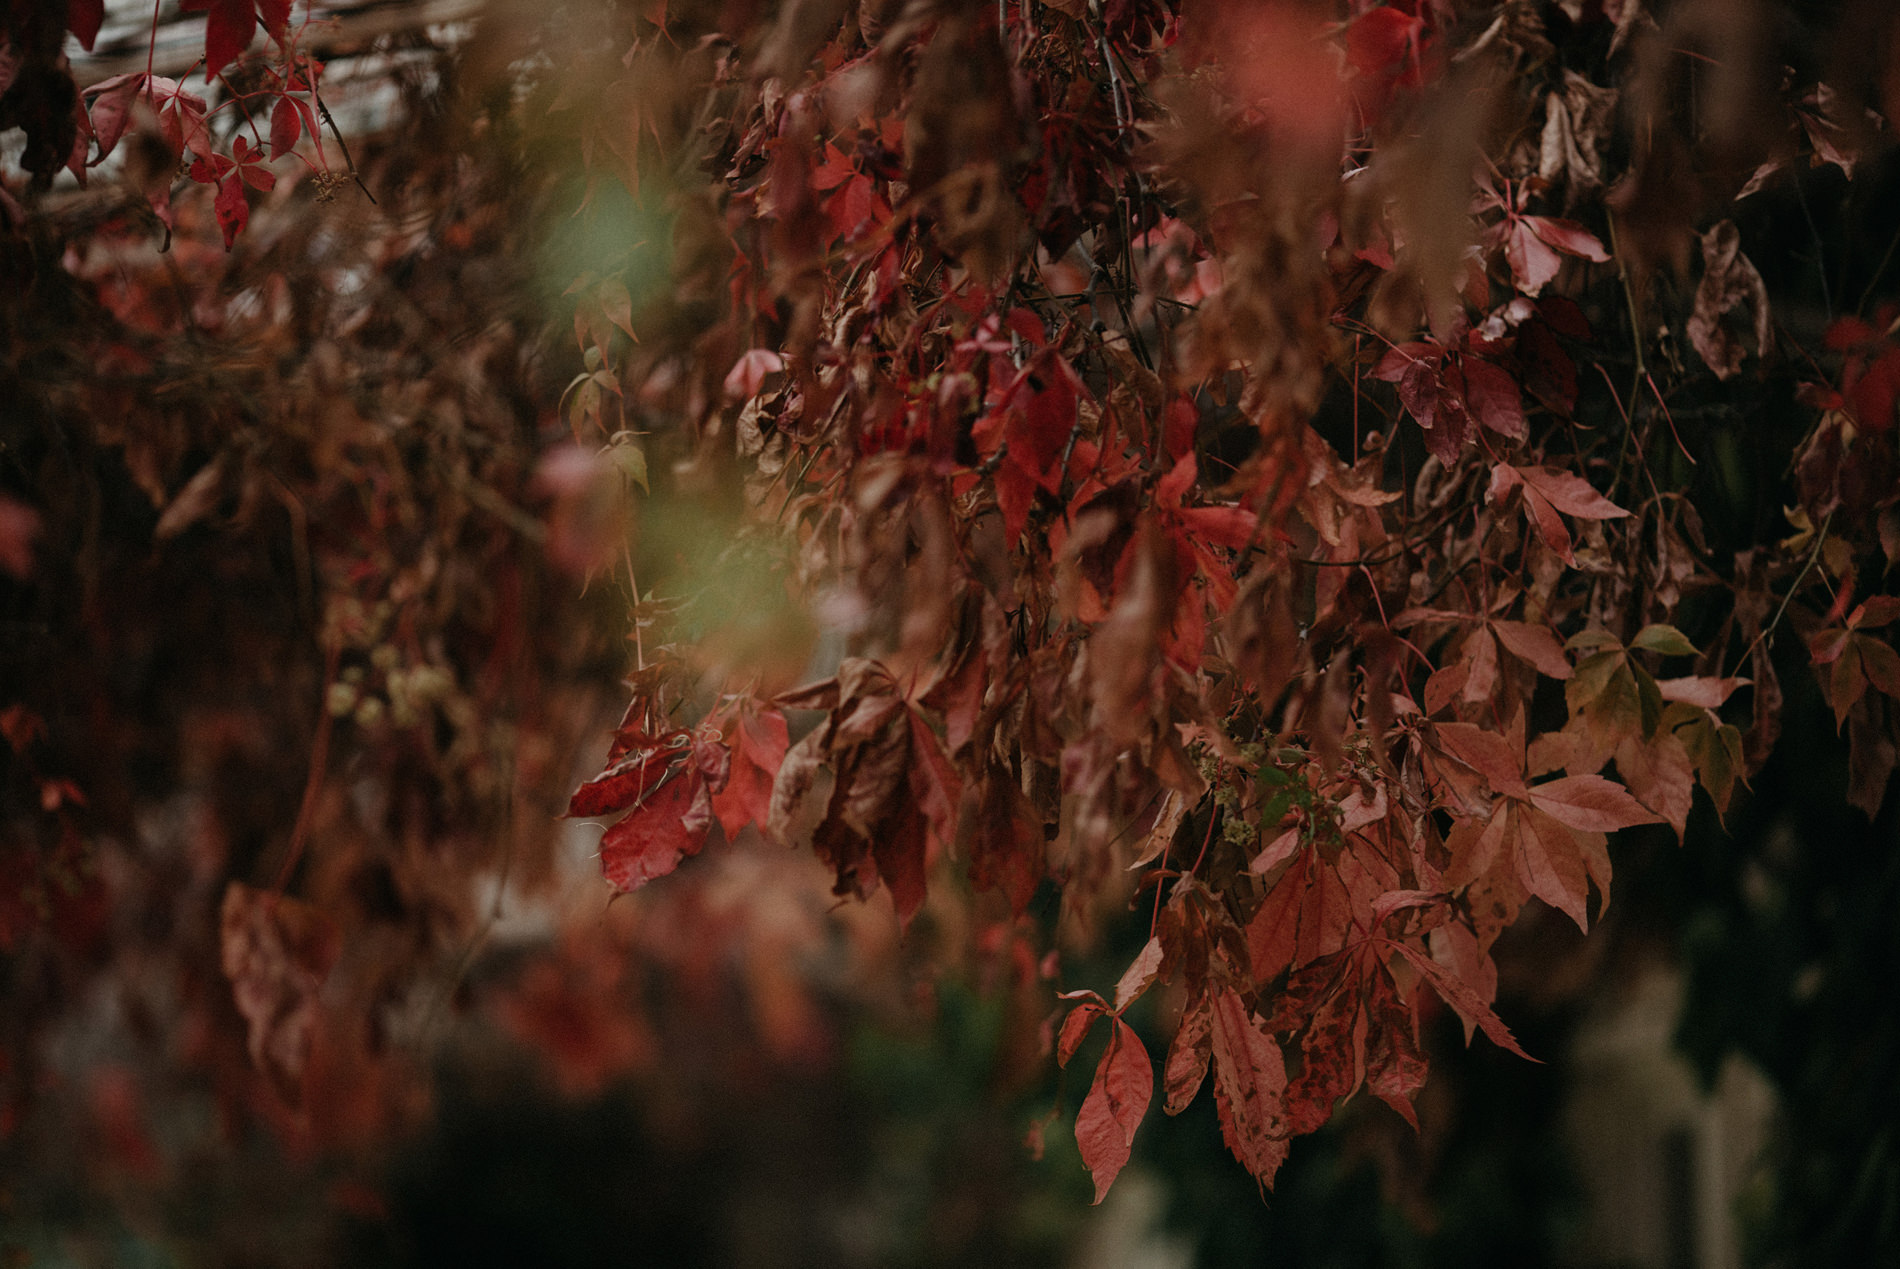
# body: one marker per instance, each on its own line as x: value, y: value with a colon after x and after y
x: 1820, y: 540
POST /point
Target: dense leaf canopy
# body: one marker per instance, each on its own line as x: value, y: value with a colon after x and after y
x: 1306, y: 474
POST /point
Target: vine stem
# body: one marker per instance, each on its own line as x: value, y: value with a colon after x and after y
x: 1820, y: 540
x: 1636, y: 342
x: 319, y: 761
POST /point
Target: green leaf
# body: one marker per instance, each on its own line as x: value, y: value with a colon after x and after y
x: 1667, y: 640
x: 632, y: 462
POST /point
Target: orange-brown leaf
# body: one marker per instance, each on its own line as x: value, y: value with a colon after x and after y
x: 1117, y: 1100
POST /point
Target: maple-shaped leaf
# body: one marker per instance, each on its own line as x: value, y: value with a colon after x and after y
x: 665, y: 783
x: 1548, y: 838
x: 667, y: 825
x: 1610, y: 698
x: 1534, y: 246
x: 1464, y: 1001
x: 1448, y: 390
x: 1473, y: 673
x: 231, y: 175
x: 757, y: 740
x: 1858, y: 659
x: 110, y: 109
x: 1547, y: 492
x: 181, y: 117
x: 895, y: 797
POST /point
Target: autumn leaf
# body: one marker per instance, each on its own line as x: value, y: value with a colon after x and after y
x: 1534, y: 246
x: 1112, y: 1111
x: 83, y: 18
x: 757, y: 740
x: 1249, y: 1088
x: 229, y: 26
x: 1546, y: 838
x: 286, y: 126
x: 1462, y: 999
x: 665, y: 783
x: 669, y: 824
x: 110, y: 109
x: 1188, y: 1056
x: 276, y: 952
x: 748, y: 374
x: 1731, y: 287
x: 1547, y: 492
x: 1856, y: 658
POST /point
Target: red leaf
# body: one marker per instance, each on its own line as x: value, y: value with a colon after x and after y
x: 1140, y: 972
x: 1591, y: 803
x: 233, y: 211
x: 655, y: 836
x: 1877, y: 611
x: 1488, y: 753
x: 1493, y: 398
x: 748, y: 373
x: 111, y: 109
x: 1533, y: 261
x: 758, y: 742
x: 1249, y: 1088
x: 275, y: 15
x: 1112, y: 1111
x: 853, y: 208
x: 1187, y: 1057
x: 83, y: 18
x: 835, y: 170
x: 1463, y: 1000
x: 633, y: 777
x: 181, y: 117
x: 1075, y: 1028
x: 1550, y: 866
x: 286, y: 125
x: 1534, y: 645
x: 1384, y: 42
x: 1008, y: 852
x: 1568, y: 237
x: 902, y: 856
x: 1570, y: 494
x: 228, y: 32
x: 1395, y: 1069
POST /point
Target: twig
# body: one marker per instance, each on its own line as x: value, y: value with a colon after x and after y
x: 319, y: 761
x: 1636, y: 338
x: 344, y: 145
x: 1820, y: 540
